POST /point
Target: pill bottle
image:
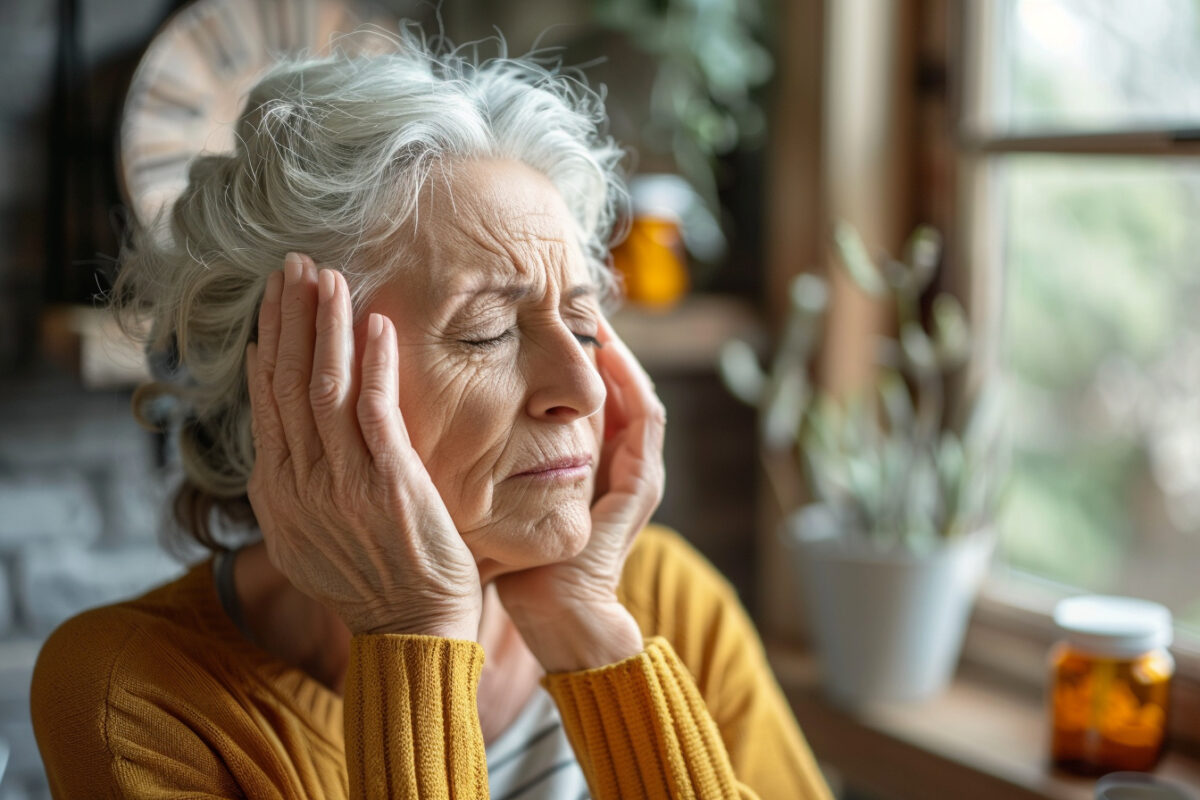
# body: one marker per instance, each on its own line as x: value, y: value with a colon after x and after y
x: 1110, y: 681
x: 652, y: 260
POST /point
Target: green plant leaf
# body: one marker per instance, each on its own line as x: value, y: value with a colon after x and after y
x: 858, y: 262
x: 918, y: 350
x: 738, y: 366
x: 897, y: 402
x: 951, y: 334
x: 952, y: 475
x: 809, y: 294
x: 899, y: 276
x: 922, y: 252
x: 782, y: 412
x: 863, y: 471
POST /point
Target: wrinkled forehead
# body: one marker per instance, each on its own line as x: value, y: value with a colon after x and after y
x: 495, y: 222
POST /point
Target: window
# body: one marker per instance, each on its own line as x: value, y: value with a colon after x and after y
x: 1083, y: 126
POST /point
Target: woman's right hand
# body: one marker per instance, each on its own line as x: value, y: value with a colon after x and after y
x: 346, y: 507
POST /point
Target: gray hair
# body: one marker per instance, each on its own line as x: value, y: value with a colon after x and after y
x: 332, y: 154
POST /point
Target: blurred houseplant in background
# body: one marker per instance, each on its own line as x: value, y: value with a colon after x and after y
x: 897, y: 534
x: 706, y: 61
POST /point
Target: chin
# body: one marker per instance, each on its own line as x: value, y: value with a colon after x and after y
x: 519, y: 542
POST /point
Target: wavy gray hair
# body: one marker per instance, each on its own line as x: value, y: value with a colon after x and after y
x: 331, y: 157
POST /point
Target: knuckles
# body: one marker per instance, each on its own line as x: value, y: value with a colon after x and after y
x: 290, y: 380
x: 299, y: 310
x: 386, y: 466
x: 325, y: 391
x: 261, y: 383
x: 372, y: 408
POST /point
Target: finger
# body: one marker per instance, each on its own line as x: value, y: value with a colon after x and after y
x: 268, y: 321
x: 628, y: 381
x: 269, y: 442
x: 378, y: 404
x: 293, y: 365
x: 331, y: 388
x: 644, y: 415
x: 616, y: 417
x: 264, y: 428
x: 632, y: 460
x: 251, y: 367
x: 624, y: 366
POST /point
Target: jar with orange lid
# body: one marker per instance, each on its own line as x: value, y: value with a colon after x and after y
x: 1110, y: 680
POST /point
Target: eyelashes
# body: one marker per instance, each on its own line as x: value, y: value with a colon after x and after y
x: 493, y: 342
x: 510, y: 334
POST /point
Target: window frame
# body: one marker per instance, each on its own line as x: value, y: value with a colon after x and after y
x: 1012, y: 628
x: 950, y: 187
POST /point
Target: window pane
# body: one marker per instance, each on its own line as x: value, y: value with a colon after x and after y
x: 1102, y: 351
x: 1096, y: 64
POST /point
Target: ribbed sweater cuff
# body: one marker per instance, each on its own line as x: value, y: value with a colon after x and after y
x: 411, y: 720
x: 640, y: 728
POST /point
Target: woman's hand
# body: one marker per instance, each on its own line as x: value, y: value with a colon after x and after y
x: 568, y: 613
x: 348, y: 511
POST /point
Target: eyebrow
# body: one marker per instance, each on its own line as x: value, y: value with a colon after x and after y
x: 514, y: 292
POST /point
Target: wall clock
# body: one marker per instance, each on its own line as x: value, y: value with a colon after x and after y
x: 192, y: 82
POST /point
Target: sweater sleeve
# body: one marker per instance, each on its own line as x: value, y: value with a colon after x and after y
x: 640, y: 729
x: 698, y: 713
x: 718, y: 643
x: 411, y: 718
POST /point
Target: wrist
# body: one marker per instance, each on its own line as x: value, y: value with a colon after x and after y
x: 579, y: 637
x: 463, y: 626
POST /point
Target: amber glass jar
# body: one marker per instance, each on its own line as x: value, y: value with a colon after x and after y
x: 652, y: 262
x: 653, y: 259
x: 1110, y: 680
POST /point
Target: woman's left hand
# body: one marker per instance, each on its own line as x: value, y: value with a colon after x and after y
x: 568, y: 612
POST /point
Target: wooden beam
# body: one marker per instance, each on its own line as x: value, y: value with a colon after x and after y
x: 797, y: 226
x: 1116, y: 143
x: 797, y: 241
x: 869, y: 158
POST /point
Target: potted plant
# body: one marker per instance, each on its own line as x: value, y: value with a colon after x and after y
x: 895, y: 538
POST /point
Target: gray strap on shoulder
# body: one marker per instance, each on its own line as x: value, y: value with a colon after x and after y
x: 223, y: 575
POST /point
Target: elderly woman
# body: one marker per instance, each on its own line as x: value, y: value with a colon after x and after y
x: 447, y: 452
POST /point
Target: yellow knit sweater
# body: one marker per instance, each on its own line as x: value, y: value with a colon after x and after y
x: 162, y: 697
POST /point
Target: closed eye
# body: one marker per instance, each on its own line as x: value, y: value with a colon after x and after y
x: 584, y: 339
x: 588, y: 341
x: 494, y: 341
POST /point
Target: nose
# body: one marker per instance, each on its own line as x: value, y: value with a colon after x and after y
x: 564, y: 384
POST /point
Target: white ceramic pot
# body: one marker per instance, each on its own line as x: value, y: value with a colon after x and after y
x: 888, y: 625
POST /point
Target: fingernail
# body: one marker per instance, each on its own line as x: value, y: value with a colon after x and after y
x: 293, y: 266
x: 325, y: 285
x: 374, y: 326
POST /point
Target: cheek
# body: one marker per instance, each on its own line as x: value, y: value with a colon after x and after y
x: 459, y: 418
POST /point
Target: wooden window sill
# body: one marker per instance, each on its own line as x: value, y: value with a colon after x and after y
x: 983, y: 738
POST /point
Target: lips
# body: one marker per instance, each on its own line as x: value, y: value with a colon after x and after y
x: 565, y: 467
